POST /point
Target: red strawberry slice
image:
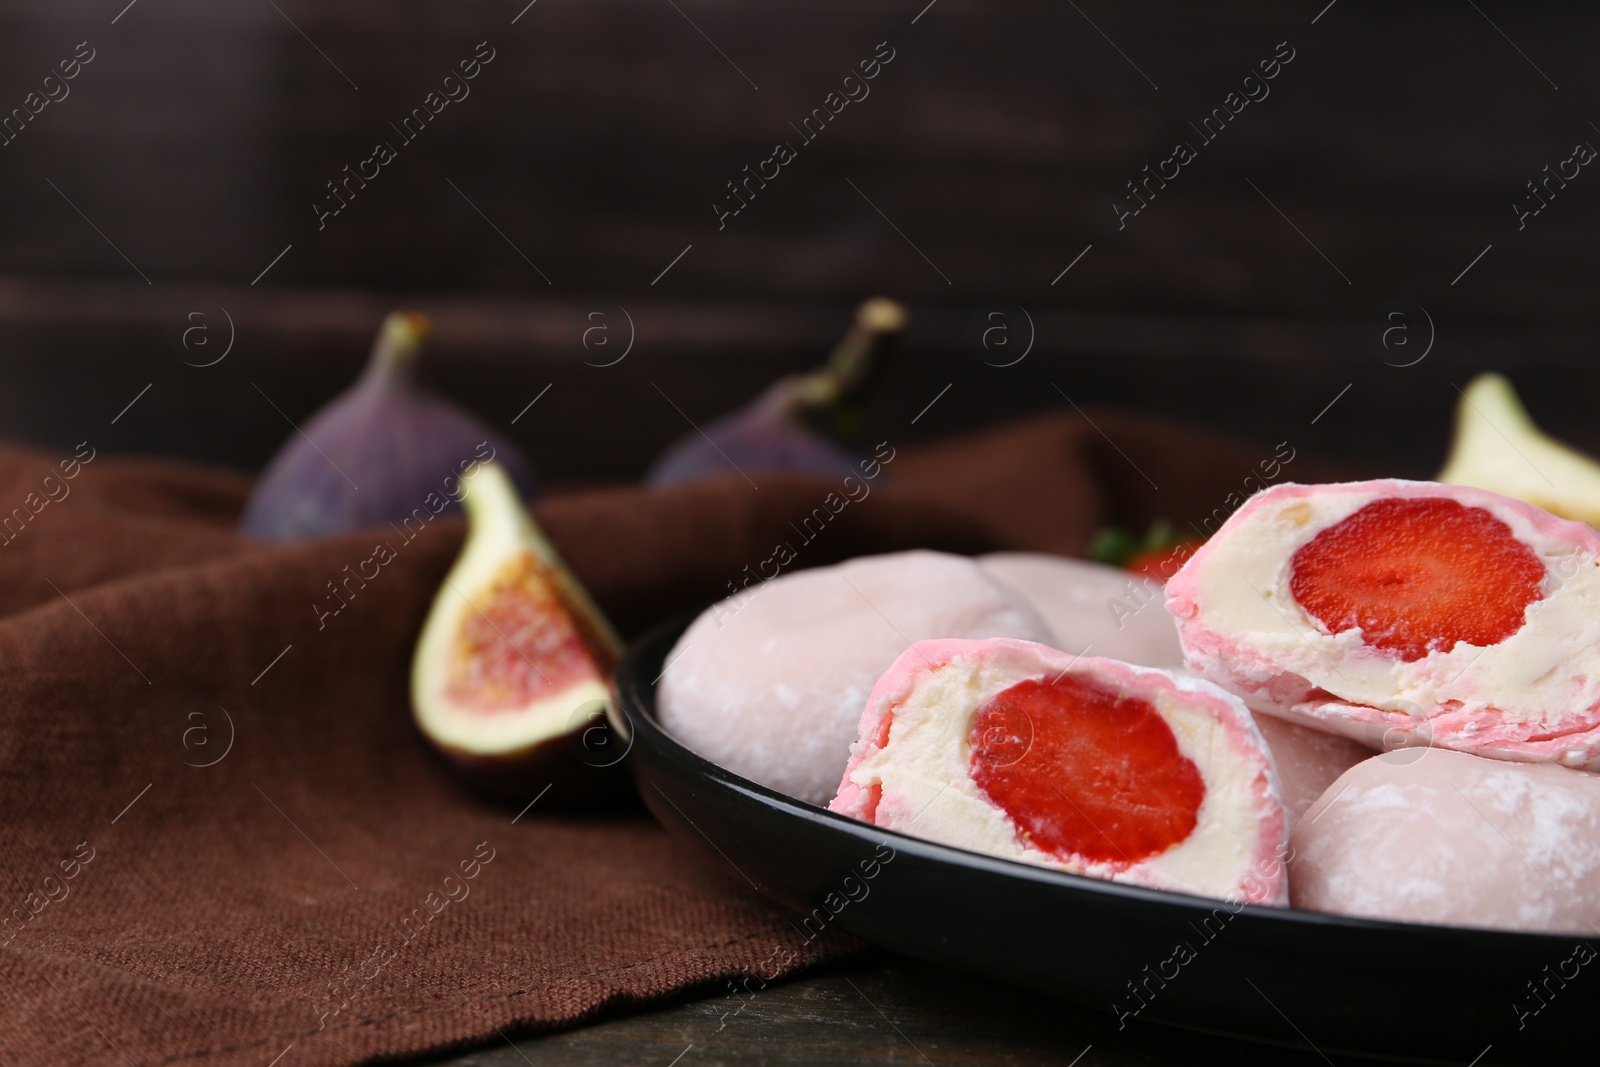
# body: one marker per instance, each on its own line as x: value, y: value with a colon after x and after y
x: 1418, y: 575
x: 1085, y: 771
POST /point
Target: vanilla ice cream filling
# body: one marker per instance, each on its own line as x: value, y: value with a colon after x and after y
x: 1546, y: 671
x: 927, y: 788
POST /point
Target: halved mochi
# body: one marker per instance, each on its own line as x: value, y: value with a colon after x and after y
x: 1430, y: 835
x: 1404, y: 613
x: 514, y: 657
x: 1082, y: 764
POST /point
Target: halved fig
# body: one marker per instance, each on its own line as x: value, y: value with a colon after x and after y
x: 1498, y: 447
x: 1404, y: 613
x: 515, y: 658
x: 1087, y: 765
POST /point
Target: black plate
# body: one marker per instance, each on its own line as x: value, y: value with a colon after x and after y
x: 1399, y: 990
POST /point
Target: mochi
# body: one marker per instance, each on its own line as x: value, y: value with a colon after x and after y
x: 1435, y: 836
x: 1090, y: 606
x: 770, y: 683
x: 1404, y: 613
x: 1083, y: 764
x: 1308, y: 761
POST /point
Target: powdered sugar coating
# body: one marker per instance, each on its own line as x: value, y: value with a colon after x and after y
x: 1436, y: 836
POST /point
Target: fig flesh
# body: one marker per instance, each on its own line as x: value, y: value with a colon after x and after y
x: 774, y: 431
x: 515, y: 659
x: 376, y: 452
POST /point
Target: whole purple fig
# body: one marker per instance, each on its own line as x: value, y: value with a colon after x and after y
x: 383, y: 451
x: 774, y: 432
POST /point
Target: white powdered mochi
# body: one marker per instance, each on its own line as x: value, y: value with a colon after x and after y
x: 1113, y: 613
x: 771, y: 683
x: 1434, y: 836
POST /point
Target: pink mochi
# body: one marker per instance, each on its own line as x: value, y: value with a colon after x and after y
x: 769, y: 683
x: 1092, y: 608
x: 1308, y: 761
x: 1532, y: 696
x: 1435, y: 836
x: 1052, y: 725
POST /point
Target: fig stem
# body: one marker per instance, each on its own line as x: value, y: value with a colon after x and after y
x: 399, y: 341
x: 857, y: 357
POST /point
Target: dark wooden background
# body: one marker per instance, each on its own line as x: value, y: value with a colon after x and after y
x: 596, y: 141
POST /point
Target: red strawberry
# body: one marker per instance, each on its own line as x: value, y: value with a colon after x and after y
x: 1085, y: 770
x: 1418, y: 575
x: 1162, y: 563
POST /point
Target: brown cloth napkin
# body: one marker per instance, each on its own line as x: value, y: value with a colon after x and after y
x: 222, y: 841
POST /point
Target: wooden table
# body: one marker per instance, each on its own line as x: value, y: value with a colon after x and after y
x: 889, y: 1010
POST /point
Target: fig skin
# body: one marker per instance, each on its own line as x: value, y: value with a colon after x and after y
x: 766, y: 436
x: 772, y: 432
x: 377, y: 453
